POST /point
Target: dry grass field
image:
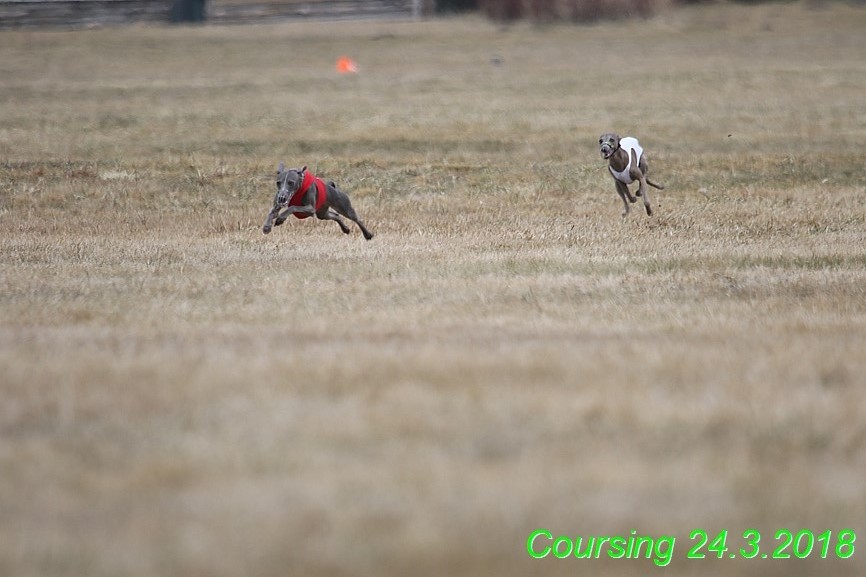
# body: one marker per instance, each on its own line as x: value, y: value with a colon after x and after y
x: 184, y: 396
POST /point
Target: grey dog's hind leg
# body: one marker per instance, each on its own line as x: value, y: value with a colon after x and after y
x: 341, y: 204
x: 329, y: 214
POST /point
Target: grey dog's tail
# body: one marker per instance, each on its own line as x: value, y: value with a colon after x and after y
x: 651, y: 183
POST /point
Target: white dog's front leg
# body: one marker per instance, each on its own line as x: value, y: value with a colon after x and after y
x: 625, y: 195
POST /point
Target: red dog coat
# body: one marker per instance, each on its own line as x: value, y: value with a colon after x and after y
x: 298, y: 198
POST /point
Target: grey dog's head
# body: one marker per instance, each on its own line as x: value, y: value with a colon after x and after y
x: 608, y: 144
x: 288, y: 182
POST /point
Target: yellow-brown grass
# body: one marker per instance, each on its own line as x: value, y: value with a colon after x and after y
x: 185, y: 396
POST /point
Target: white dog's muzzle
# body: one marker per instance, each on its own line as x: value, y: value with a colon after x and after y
x: 608, y: 149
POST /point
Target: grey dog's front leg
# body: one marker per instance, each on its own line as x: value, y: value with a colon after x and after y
x: 269, y: 221
x: 307, y: 209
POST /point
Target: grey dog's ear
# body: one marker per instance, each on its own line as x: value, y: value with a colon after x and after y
x: 303, y: 170
x: 281, y: 167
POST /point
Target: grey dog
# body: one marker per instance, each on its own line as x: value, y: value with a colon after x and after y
x: 627, y: 163
x: 303, y: 194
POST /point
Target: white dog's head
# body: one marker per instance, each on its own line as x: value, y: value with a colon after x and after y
x: 608, y: 144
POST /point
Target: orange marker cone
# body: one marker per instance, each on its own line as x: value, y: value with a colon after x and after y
x: 346, y: 65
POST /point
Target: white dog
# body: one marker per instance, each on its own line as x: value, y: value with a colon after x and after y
x: 627, y: 164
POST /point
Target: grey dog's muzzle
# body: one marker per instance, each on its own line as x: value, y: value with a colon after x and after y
x: 283, y: 197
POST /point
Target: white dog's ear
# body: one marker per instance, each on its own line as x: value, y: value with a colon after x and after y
x: 281, y: 167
